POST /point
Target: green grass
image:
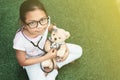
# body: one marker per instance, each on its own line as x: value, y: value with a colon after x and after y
x: 93, y: 24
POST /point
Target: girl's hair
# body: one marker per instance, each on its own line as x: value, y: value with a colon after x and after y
x: 30, y: 5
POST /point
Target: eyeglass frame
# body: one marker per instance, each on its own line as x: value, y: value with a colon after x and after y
x: 48, y: 22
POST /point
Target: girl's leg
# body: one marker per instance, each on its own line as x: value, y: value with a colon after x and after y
x: 75, y: 52
x: 52, y: 75
x: 34, y: 72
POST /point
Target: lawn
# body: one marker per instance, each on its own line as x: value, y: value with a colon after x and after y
x: 93, y: 24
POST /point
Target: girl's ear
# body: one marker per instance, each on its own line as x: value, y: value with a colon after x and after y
x: 67, y: 34
x: 21, y: 23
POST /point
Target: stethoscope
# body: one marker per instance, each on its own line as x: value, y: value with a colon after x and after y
x: 37, y: 45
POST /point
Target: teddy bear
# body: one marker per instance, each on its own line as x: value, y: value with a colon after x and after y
x: 56, y: 41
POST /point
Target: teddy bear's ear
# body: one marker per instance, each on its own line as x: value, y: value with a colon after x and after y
x: 67, y: 34
x: 54, y: 29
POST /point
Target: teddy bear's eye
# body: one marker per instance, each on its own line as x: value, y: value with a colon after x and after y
x: 59, y: 37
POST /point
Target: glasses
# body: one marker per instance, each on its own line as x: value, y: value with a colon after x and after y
x: 42, y: 22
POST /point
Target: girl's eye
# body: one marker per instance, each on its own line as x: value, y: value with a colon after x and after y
x: 32, y: 23
x: 43, y: 21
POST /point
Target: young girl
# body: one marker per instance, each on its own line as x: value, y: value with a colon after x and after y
x: 30, y: 39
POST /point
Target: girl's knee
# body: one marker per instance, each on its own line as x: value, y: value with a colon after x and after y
x: 78, y: 51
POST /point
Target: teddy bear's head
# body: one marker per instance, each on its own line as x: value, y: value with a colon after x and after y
x: 59, y: 35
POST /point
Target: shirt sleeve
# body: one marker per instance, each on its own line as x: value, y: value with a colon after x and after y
x: 18, y: 43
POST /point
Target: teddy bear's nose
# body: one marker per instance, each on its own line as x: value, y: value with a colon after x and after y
x: 55, y: 38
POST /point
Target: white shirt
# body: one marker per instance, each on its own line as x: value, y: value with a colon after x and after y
x: 21, y: 43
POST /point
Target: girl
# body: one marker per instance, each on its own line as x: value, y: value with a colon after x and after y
x: 30, y: 39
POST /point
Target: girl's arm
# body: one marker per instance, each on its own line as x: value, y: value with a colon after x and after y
x: 23, y: 61
x: 50, y: 28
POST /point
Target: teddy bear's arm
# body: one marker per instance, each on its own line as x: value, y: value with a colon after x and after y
x: 64, y: 57
x: 66, y: 54
x: 62, y: 50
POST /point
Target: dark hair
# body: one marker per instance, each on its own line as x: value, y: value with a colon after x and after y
x: 30, y: 5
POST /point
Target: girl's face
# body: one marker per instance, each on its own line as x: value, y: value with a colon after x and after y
x: 36, y: 22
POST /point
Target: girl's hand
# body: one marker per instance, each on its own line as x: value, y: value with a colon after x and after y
x: 52, y: 53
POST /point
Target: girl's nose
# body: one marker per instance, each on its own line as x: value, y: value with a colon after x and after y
x: 39, y: 25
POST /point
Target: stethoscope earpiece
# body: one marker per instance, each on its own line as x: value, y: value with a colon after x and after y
x: 48, y: 20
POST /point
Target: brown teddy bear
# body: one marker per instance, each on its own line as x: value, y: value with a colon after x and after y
x: 56, y: 41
